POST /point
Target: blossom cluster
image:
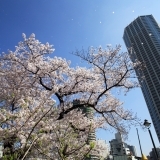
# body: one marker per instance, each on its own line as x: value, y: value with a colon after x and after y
x: 37, y: 114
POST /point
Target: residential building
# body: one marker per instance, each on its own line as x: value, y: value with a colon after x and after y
x: 142, y: 39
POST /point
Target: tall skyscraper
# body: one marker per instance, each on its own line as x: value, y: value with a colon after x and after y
x: 142, y: 39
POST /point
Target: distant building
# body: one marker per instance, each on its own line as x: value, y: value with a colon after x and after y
x: 118, y: 147
x: 1, y: 150
x: 142, y: 39
x: 119, y: 150
x: 132, y: 150
x: 104, y: 150
x: 153, y: 154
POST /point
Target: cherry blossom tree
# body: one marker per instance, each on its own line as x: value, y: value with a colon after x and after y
x: 37, y: 115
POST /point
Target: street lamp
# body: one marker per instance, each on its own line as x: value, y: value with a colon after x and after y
x: 139, y: 142
x: 148, y: 125
x: 143, y: 156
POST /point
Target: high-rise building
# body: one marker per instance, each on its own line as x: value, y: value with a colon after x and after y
x: 142, y: 39
x: 118, y: 147
x: 121, y: 150
x: 94, y: 155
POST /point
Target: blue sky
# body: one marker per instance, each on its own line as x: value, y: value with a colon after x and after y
x: 73, y: 24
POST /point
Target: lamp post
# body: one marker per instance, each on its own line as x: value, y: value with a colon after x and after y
x: 139, y: 142
x: 148, y: 125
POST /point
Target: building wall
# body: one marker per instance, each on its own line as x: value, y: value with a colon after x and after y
x: 133, y: 150
x: 1, y: 152
x: 104, y: 148
x: 142, y: 39
x: 118, y: 146
x: 118, y: 136
x: 153, y: 155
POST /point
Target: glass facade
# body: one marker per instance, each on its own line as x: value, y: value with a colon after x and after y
x: 142, y: 39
